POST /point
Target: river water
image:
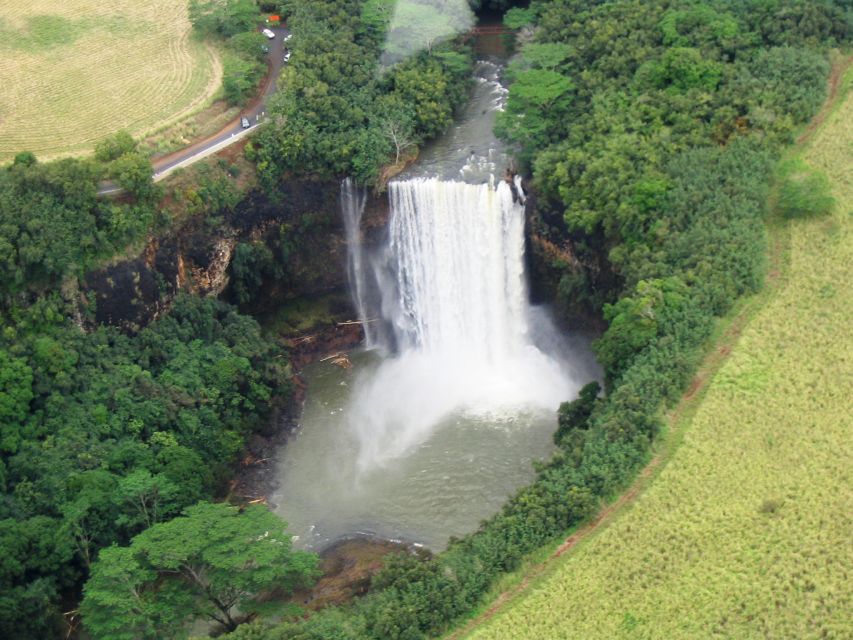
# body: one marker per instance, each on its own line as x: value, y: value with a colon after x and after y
x: 441, y: 417
x: 469, y: 151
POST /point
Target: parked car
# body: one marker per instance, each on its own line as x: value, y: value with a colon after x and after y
x: 286, y: 57
x: 287, y: 37
x: 244, y: 122
x: 268, y: 33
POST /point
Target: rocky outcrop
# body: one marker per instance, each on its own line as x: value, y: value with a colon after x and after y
x: 213, y: 279
x: 131, y: 293
x: 300, y: 225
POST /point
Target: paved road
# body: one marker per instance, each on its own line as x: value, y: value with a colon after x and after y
x: 232, y: 132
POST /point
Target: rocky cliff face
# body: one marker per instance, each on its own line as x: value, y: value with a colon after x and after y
x: 566, y: 273
x: 295, y: 234
x: 131, y: 293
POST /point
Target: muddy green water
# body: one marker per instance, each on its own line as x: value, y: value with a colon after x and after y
x: 444, y: 487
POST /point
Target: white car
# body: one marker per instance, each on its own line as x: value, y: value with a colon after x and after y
x: 268, y: 33
x: 288, y: 37
x: 286, y: 57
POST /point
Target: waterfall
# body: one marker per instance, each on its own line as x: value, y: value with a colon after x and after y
x: 353, y: 199
x: 452, y: 292
x: 459, y: 252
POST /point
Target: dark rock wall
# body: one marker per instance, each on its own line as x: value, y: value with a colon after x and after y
x: 300, y: 225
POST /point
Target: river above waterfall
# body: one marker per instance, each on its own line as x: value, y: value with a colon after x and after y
x: 469, y: 151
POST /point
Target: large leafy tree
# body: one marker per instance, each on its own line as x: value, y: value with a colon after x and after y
x: 211, y: 562
x: 534, y: 105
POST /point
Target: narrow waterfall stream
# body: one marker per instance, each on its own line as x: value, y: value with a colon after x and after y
x: 455, y: 395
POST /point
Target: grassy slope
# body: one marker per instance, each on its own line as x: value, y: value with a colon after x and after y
x: 74, y: 72
x: 746, y: 532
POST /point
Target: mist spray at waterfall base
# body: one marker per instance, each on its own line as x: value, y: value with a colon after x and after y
x: 452, y: 293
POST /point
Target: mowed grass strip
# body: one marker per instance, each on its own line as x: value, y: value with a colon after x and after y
x: 748, y: 530
x: 74, y: 72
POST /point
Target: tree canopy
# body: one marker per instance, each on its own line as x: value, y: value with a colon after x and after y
x: 331, y: 116
x: 213, y: 561
x: 53, y: 224
x: 103, y: 435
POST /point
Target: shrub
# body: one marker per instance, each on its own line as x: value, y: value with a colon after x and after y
x: 114, y: 147
x: 804, y: 192
x: 240, y: 77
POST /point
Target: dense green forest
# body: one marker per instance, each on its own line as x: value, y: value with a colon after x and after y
x: 651, y: 130
x: 104, y: 434
x: 337, y: 112
x: 52, y: 224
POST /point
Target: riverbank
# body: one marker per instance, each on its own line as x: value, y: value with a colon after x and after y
x: 347, y: 567
x: 255, y: 478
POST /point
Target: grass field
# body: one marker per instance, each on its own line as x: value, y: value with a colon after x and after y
x: 747, y: 532
x: 76, y: 71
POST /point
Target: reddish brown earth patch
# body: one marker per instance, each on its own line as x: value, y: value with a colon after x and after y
x: 348, y: 568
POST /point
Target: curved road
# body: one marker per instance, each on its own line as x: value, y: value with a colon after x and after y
x: 230, y: 133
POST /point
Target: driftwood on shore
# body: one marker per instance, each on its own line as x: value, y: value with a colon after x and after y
x: 340, y: 359
x: 351, y: 322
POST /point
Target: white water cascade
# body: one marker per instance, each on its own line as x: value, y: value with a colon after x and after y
x: 450, y: 287
x: 353, y: 200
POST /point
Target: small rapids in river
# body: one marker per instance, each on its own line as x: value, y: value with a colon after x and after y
x: 456, y: 393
